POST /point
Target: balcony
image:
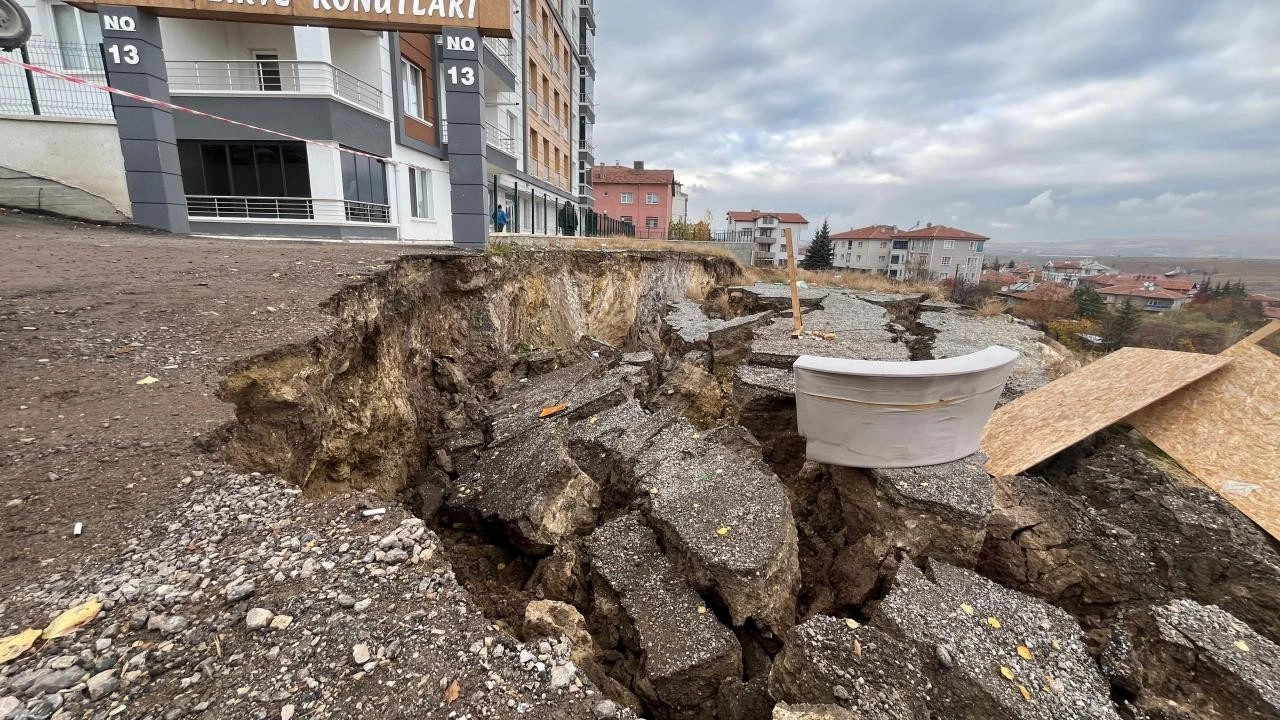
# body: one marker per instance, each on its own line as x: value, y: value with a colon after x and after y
x: 503, y: 50
x: 253, y: 77
x: 587, y: 11
x: 287, y: 209
x: 496, y: 137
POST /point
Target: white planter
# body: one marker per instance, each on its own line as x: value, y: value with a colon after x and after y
x: 867, y: 414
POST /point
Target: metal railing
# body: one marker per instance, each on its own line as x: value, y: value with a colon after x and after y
x: 533, y: 101
x: 367, y: 212
x: 228, y: 207
x: 500, y: 139
x: 503, y: 49
x: 272, y: 76
x: 26, y: 93
x: 256, y: 208
x: 585, y: 190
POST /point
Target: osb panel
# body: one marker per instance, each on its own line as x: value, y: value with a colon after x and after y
x: 1043, y: 423
x: 1226, y: 430
x: 1264, y: 333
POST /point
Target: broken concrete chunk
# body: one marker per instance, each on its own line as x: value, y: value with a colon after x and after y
x: 744, y: 700
x: 940, y: 511
x: 587, y: 389
x: 552, y: 619
x: 775, y: 296
x: 687, y: 653
x: 686, y: 328
x: 859, y: 330
x: 997, y: 653
x: 1200, y: 660
x: 835, y: 661
x: 530, y: 486
x: 959, y: 333
x: 727, y: 524
x: 764, y: 402
x: 608, y: 446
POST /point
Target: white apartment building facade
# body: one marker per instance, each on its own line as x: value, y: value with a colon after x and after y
x: 768, y: 231
x: 934, y: 252
x: 377, y: 93
x: 1069, y: 272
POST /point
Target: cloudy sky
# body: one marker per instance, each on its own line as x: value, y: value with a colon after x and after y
x: 1021, y: 119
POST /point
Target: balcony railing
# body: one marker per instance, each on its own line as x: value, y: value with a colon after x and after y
x: 500, y: 139
x: 584, y: 190
x: 225, y: 207
x: 503, y: 49
x: 237, y: 77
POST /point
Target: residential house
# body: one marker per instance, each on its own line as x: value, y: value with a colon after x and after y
x: 767, y: 231
x: 636, y: 195
x: 997, y: 278
x: 937, y: 252
x: 865, y: 250
x: 1270, y: 305
x: 1147, y: 296
x: 1050, y: 295
x: 1069, y: 272
x: 1182, y: 285
x: 680, y: 205
x: 377, y: 93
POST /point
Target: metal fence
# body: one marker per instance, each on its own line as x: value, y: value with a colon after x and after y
x: 23, y: 92
x: 531, y: 211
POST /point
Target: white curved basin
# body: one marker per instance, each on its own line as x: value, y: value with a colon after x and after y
x: 869, y: 414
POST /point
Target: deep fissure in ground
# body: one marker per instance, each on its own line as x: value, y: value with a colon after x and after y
x: 601, y: 523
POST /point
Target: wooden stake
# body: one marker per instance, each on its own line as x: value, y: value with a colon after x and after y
x: 796, y: 322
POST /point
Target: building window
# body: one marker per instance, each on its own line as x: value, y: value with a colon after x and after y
x: 859, y: 258
x: 263, y: 169
x: 628, y: 198
x: 979, y: 246
x: 859, y: 243
x: 364, y: 179
x: 651, y: 223
x: 880, y: 259
x: 948, y: 244
x: 420, y: 193
x: 411, y: 76
x: 626, y: 218
x: 651, y: 199
x: 74, y: 28
x: 971, y: 261
x: 946, y: 259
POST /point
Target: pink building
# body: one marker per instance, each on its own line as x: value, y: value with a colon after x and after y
x: 636, y: 195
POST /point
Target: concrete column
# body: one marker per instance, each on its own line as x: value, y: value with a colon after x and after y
x: 324, y: 166
x: 135, y: 62
x: 464, y: 96
x: 312, y: 43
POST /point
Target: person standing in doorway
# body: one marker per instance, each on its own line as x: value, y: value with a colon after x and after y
x: 568, y: 220
x: 500, y: 219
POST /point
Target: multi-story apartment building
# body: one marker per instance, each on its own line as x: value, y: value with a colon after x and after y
x: 767, y: 231
x: 377, y: 93
x: 586, y: 99
x: 932, y: 252
x: 635, y: 195
x: 1071, y: 272
x: 863, y: 250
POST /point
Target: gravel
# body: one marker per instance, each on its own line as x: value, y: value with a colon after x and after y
x: 173, y: 638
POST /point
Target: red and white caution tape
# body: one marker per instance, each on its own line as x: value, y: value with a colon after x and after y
x: 192, y: 111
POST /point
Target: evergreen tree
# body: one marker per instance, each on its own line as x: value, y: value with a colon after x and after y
x: 821, y: 254
x: 1089, y: 304
x: 995, y: 264
x: 1118, y: 327
x: 1012, y: 264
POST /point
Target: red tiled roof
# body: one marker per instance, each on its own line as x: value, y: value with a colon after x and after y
x: 941, y: 231
x: 622, y: 175
x: 1182, y: 285
x: 1178, y: 285
x: 871, y: 232
x: 1264, y: 299
x: 999, y: 278
x: 753, y: 215
x: 1064, y: 264
x: 1142, y: 292
x: 1044, y: 292
x: 1272, y: 312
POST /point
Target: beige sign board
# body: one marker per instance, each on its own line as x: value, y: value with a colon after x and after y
x: 491, y: 17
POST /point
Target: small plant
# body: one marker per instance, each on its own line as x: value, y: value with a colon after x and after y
x: 503, y: 248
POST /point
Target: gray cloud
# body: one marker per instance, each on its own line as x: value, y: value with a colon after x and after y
x: 1021, y: 119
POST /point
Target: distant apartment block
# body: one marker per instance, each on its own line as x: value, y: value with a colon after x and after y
x: 935, y: 252
x: 767, y: 231
x: 636, y: 195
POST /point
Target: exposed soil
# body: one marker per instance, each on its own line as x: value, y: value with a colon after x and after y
x: 83, y: 442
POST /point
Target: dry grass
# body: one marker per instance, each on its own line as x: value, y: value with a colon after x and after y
x: 992, y: 308
x: 627, y: 243
x: 865, y: 282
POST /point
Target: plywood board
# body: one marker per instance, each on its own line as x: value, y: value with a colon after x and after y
x: 1264, y: 333
x: 1226, y: 430
x: 1043, y: 423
